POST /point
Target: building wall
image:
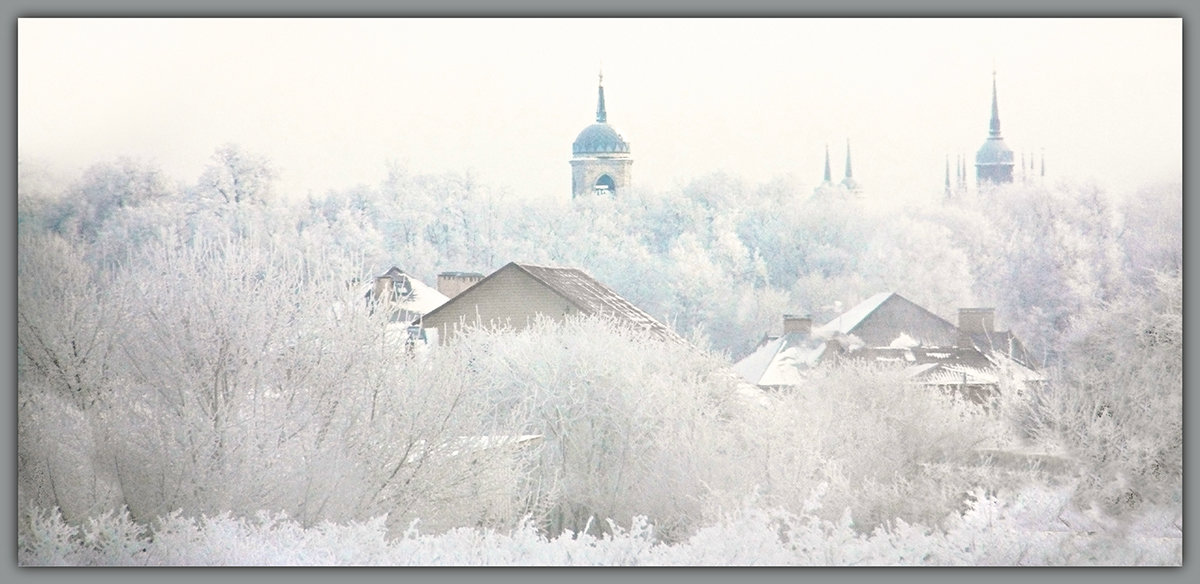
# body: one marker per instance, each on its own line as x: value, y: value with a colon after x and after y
x: 585, y: 171
x: 508, y: 297
x: 897, y: 315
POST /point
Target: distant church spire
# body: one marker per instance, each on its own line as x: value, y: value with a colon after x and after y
x: 849, y: 175
x: 947, y: 175
x: 601, y: 114
x: 848, y: 183
x: 994, y: 159
x: 994, y: 126
x: 828, y: 174
x: 959, y: 173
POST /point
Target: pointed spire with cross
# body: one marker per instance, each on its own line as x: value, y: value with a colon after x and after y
x: 994, y: 125
x: 601, y: 114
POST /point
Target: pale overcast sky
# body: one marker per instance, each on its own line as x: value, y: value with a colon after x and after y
x: 331, y: 101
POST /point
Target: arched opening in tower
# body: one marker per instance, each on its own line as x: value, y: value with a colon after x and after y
x: 605, y: 185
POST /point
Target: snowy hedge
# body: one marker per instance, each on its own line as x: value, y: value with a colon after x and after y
x: 1034, y: 530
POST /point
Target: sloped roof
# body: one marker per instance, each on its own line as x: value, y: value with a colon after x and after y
x: 951, y: 365
x: 781, y: 361
x: 421, y: 299
x: 583, y: 292
x: 849, y: 320
x: 952, y: 374
x: 1003, y: 342
x: 921, y: 324
x: 594, y: 298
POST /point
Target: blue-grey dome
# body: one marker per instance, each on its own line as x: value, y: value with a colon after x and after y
x: 599, y: 138
x: 994, y: 151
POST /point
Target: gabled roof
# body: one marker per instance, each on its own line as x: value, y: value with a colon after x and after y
x: 849, y: 320
x: 585, y: 293
x: 420, y: 297
x: 782, y: 360
x: 593, y: 298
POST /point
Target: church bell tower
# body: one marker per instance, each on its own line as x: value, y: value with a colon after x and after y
x: 600, y: 161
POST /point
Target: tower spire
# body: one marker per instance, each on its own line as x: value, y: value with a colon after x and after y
x: 601, y: 114
x: 962, y: 172
x: 994, y: 126
x: 848, y: 173
x: 947, y: 175
x: 828, y: 174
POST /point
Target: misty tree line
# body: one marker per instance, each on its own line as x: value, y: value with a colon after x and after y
x: 717, y: 256
x: 197, y: 347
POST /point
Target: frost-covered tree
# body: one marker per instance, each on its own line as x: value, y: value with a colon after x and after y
x: 863, y: 440
x: 632, y: 424
x: 1152, y: 231
x: 66, y: 320
x: 1118, y: 406
x: 237, y: 176
x: 248, y: 379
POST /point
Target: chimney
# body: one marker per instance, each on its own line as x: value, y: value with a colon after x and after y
x: 454, y: 283
x: 975, y: 321
x: 794, y: 323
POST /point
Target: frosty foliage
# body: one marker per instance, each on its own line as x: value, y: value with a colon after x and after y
x: 1029, y: 531
x: 1120, y: 403
x: 200, y: 380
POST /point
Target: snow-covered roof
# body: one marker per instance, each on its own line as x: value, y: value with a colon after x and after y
x: 423, y: 298
x: 850, y: 319
x: 781, y: 361
x: 593, y: 298
x: 953, y: 374
x: 955, y: 365
x: 420, y: 298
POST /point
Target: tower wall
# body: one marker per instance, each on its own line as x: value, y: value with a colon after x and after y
x: 586, y: 170
x: 993, y: 174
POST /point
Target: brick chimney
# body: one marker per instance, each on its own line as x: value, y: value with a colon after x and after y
x: 453, y: 283
x: 975, y: 321
x: 795, y: 323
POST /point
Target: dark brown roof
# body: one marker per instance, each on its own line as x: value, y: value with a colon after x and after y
x: 593, y: 298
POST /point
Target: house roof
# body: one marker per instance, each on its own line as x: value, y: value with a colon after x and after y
x: 585, y: 293
x: 849, y: 320
x: 782, y: 360
x: 951, y: 365
x: 939, y: 360
x: 594, y: 298
x: 421, y: 298
x: 1003, y: 342
x: 888, y: 317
